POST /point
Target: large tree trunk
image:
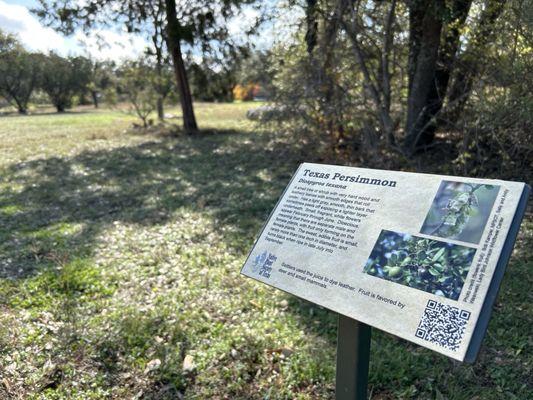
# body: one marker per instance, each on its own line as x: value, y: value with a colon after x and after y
x: 423, y: 55
x: 446, y: 58
x: 174, y: 46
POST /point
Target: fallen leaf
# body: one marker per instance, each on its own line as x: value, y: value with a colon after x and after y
x: 152, y: 365
x: 188, y: 363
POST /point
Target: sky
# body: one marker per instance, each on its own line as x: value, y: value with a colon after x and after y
x: 101, y: 44
x: 16, y: 18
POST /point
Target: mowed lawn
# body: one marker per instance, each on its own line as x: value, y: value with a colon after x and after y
x: 120, y: 254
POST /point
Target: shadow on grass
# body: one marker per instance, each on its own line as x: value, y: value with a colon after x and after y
x: 53, y: 210
x: 56, y: 207
x: 14, y: 114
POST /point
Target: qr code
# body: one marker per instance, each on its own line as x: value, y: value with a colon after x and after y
x: 443, y: 325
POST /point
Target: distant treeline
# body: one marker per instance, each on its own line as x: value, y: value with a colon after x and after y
x: 49, y: 78
x: 380, y: 81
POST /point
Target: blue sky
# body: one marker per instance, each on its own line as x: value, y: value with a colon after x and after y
x: 16, y: 18
x: 26, y: 3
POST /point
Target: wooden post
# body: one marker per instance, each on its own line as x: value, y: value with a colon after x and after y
x: 353, y: 356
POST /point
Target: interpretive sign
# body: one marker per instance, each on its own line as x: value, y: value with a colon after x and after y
x: 419, y: 256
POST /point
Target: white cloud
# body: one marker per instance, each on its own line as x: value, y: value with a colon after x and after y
x: 284, y: 20
x: 18, y: 20
x: 105, y: 44
x: 242, y: 22
x: 100, y: 44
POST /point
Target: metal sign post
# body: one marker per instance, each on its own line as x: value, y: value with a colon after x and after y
x: 353, y: 356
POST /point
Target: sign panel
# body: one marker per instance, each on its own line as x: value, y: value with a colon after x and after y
x: 416, y: 255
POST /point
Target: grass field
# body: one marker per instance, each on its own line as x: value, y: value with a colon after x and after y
x: 120, y: 254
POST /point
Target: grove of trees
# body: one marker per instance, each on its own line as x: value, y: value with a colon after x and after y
x: 145, y: 83
x: 395, y: 77
x: 407, y: 67
x: 62, y: 79
x: 198, y: 23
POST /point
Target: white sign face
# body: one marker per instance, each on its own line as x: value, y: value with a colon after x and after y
x: 419, y: 256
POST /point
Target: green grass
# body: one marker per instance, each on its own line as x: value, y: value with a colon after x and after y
x: 120, y: 254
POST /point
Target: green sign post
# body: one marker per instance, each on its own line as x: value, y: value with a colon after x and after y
x: 353, y: 359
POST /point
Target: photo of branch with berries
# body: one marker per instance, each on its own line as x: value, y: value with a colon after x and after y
x: 425, y: 264
x: 460, y: 211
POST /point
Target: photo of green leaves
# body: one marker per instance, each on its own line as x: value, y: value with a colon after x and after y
x: 425, y: 264
x: 460, y: 211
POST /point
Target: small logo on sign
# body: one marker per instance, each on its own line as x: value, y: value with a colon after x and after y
x: 263, y: 264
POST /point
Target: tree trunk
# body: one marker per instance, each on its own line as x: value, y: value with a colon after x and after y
x: 469, y: 63
x: 373, y: 88
x: 160, y: 89
x: 423, y: 56
x: 416, y: 17
x: 311, y: 33
x: 160, y: 109
x: 94, y: 95
x: 446, y: 58
x: 174, y: 46
x: 386, y: 119
x: 327, y: 83
x: 22, y: 106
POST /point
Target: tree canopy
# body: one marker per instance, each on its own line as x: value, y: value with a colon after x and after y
x: 19, y: 72
x: 198, y: 23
